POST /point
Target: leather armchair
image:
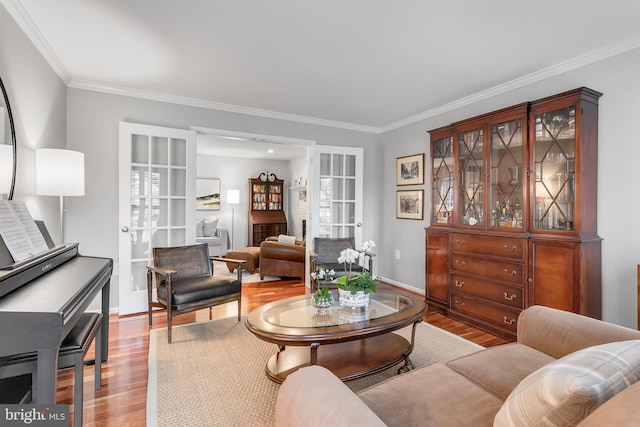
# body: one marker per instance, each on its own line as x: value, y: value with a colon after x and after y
x: 185, y: 282
x: 282, y: 259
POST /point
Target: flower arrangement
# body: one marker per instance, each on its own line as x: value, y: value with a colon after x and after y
x: 356, y: 282
x: 322, y: 298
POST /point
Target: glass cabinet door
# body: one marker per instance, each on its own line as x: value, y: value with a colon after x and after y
x: 442, y: 172
x: 275, y: 197
x: 554, y: 152
x: 507, y: 185
x: 259, y: 197
x: 470, y: 161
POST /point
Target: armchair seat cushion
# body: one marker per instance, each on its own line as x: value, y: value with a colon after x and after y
x: 198, y: 289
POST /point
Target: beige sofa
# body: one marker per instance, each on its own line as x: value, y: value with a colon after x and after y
x: 564, y: 369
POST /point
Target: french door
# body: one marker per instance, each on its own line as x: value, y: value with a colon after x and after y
x: 336, y: 206
x: 157, y: 202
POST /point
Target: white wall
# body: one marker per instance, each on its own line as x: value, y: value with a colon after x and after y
x: 618, y: 181
x: 234, y: 173
x: 38, y: 101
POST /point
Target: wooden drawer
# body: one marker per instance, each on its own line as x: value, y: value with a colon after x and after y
x: 501, y: 271
x: 507, y: 247
x: 499, y: 316
x: 495, y: 292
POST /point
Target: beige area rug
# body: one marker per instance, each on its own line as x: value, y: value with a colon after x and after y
x: 213, y: 373
x: 220, y: 268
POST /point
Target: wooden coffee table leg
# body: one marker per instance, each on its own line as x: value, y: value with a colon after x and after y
x: 408, y: 365
x: 313, y: 360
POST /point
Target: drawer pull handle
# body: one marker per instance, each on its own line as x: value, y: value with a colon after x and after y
x: 459, y: 302
x: 507, y: 321
x: 460, y: 242
x: 458, y: 284
x: 509, y: 297
x: 506, y: 272
x: 460, y: 263
x: 506, y: 248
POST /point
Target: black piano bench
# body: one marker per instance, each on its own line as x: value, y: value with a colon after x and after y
x: 71, y: 355
x: 72, y: 352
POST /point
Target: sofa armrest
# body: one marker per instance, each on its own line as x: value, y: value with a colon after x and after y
x: 223, y: 234
x: 313, y: 396
x: 558, y: 333
x: 282, y: 251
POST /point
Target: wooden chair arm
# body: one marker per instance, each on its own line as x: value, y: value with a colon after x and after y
x: 233, y: 260
x: 224, y: 259
x: 160, y: 270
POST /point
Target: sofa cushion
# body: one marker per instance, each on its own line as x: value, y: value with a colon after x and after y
x: 434, y: 395
x: 210, y: 226
x: 287, y: 239
x: 500, y: 369
x: 566, y: 391
x: 200, y: 227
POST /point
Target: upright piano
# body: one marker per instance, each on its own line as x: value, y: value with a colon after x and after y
x: 40, y: 302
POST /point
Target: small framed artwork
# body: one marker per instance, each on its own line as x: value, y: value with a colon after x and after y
x: 208, y: 194
x: 409, y: 204
x: 410, y: 170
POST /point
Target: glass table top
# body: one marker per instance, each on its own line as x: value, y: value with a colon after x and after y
x: 299, y: 313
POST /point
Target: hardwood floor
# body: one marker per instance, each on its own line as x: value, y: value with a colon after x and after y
x: 122, y: 399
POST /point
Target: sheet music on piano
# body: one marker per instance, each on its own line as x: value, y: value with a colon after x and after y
x: 19, y: 231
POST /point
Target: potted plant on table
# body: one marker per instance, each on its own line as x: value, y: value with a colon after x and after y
x: 322, y: 298
x: 353, y: 288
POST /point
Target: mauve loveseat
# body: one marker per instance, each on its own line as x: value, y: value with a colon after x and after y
x: 565, y: 369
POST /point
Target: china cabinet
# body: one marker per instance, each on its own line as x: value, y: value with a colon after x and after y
x: 513, y: 212
x: 266, y: 203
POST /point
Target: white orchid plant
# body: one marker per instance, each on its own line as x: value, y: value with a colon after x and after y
x: 322, y: 275
x: 360, y: 281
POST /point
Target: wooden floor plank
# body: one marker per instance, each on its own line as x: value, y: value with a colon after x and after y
x: 122, y: 399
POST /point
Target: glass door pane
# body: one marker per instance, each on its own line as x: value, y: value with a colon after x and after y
x: 470, y: 161
x: 442, y: 171
x: 507, y: 187
x: 554, y: 170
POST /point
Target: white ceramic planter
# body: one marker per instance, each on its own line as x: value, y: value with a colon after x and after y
x: 359, y: 299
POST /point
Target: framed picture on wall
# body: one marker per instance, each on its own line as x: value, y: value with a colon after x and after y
x: 409, y: 204
x: 208, y: 194
x: 410, y: 170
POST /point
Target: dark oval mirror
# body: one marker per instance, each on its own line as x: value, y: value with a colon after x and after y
x: 7, y: 147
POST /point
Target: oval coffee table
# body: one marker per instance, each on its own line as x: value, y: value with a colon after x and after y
x: 350, y: 342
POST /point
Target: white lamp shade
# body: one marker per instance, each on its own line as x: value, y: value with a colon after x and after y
x: 6, y: 168
x: 59, y: 172
x: 233, y: 197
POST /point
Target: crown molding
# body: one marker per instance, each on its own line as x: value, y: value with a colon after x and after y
x: 26, y: 24
x: 562, y: 67
x: 195, y: 102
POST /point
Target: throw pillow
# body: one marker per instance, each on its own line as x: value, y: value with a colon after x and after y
x: 210, y: 226
x: 566, y: 391
x: 287, y: 239
x: 200, y: 227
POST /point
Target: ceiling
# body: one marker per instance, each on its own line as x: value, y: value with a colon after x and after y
x: 369, y: 65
